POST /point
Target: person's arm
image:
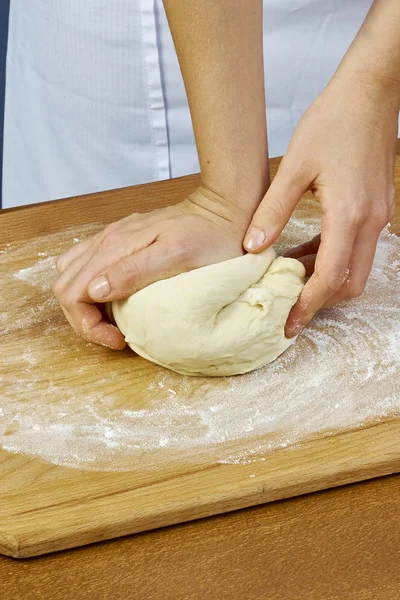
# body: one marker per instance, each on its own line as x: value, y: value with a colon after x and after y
x: 219, y: 44
x: 343, y: 149
x: 220, y: 50
x: 374, y: 55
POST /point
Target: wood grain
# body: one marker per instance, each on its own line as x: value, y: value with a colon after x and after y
x: 339, y: 544
x: 45, y: 517
x: 41, y: 506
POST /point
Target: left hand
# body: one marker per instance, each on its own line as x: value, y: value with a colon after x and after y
x: 343, y: 149
x: 142, y: 248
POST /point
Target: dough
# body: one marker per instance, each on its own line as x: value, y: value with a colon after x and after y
x: 223, y: 319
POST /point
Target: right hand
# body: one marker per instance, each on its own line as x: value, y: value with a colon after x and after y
x: 343, y: 149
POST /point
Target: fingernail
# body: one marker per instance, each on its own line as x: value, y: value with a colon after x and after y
x: 254, y: 239
x: 99, y: 288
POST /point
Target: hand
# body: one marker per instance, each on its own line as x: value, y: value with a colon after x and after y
x: 140, y: 249
x: 343, y: 149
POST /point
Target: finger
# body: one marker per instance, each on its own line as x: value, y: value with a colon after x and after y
x: 360, y: 266
x: 89, y: 324
x: 310, y: 247
x: 130, y: 225
x: 85, y: 318
x: 276, y: 208
x: 73, y: 268
x: 64, y: 260
x: 94, y: 329
x: 97, y: 259
x: 331, y: 270
x: 135, y: 272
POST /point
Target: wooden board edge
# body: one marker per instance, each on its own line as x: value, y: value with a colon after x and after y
x: 355, y: 464
x: 10, y: 546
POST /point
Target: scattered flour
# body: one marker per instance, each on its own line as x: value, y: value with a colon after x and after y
x: 344, y: 372
x: 38, y: 274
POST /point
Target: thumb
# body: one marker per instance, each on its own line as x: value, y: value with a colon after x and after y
x: 132, y: 273
x: 276, y: 208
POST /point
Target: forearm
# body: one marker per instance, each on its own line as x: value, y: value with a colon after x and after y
x: 219, y: 47
x: 374, y: 56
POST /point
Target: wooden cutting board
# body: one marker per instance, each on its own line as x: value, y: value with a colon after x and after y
x: 45, y: 506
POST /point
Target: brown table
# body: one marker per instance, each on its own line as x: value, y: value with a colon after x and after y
x: 340, y: 544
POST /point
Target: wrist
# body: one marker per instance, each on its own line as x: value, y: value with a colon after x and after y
x: 238, y: 188
x: 377, y: 88
x: 367, y: 92
x: 373, y: 59
x: 221, y: 209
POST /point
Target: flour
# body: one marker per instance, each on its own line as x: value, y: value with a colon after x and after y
x: 342, y: 373
x: 38, y: 274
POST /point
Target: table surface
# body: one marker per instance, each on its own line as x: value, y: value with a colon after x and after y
x: 337, y: 544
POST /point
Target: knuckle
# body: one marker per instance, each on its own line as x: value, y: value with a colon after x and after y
x: 383, y: 214
x: 127, y: 270
x: 273, y: 210
x: 354, y: 290
x: 110, y: 228
x: 110, y: 239
x: 183, y: 252
x: 358, y: 213
x: 357, y: 291
x: 333, y: 281
x: 57, y: 288
x: 109, y: 236
x: 381, y: 219
x: 67, y: 300
x: 64, y: 293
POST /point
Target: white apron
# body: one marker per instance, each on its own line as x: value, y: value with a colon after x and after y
x: 95, y: 99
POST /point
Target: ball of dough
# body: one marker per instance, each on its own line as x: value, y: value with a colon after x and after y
x: 223, y: 319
